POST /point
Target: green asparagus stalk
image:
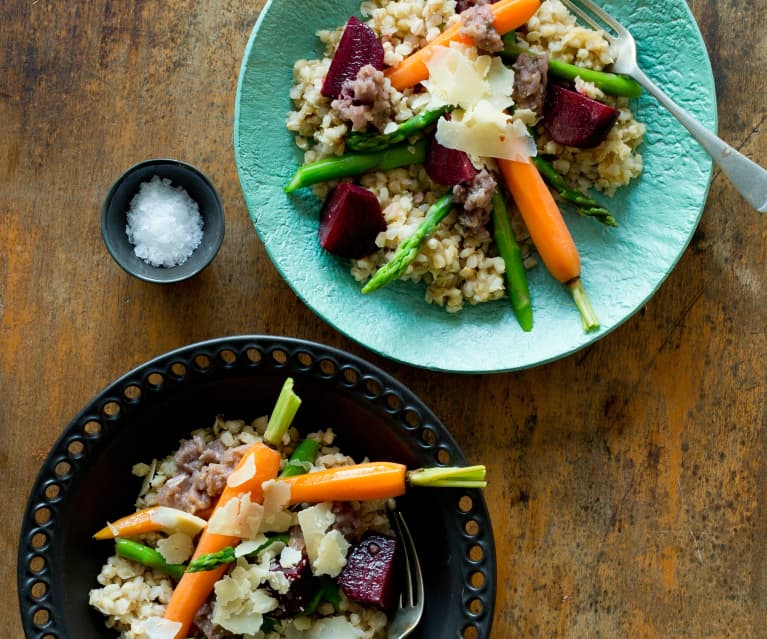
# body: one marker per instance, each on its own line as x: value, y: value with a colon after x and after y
x: 301, y: 459
x: 358, y: 141
x: 406, y: 252
x: 284, y: 410
x: 352, y: 164
x: 610, y: 83
x: 226, y: 555
x: 327, y: 590
x: 583, y: 203
x: 516, y: 277
x: 146, y: 556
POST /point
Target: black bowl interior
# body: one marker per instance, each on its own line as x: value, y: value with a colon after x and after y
x: 114, y: 217
x: 86, y: 479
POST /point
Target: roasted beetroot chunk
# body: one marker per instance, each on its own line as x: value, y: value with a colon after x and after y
x: 301, y: 588
x: 359, y: 46
x: 573, y: 119
x: 350, y: 221
x: 369, y: 577
x: 448, y: 166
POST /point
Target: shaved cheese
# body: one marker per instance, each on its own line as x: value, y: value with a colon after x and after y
x: 159, y: 628
x: 289, y: 557
x: 276, y: 500
x: 486, y: 132
x: 240, y: 603
x: 249, y: 546
x: 173, y: 519
x: 331, y: 554
x: 239, y: 517
x: 314, y: 521
x: 480, y: 88
x: 176, y: 549
x: 242, y: 474
x: 337, y: 627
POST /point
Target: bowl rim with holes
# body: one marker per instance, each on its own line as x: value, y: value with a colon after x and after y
x: 114, y: 212
x: 162, y: 400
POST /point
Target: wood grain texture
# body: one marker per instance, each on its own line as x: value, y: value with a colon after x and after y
x: 628, y: 481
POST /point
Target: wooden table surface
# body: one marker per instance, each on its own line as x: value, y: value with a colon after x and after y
x: 628, y: 480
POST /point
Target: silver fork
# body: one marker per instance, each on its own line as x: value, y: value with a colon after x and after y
x: 749, y: 178
x: 411, y: 600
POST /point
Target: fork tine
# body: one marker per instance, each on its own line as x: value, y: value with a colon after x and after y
x: 412, y: 565
x: 600, y: 13
x: 406, y: 597
x: 585, y: 17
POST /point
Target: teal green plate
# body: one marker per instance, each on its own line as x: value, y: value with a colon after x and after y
x: 621, y: 268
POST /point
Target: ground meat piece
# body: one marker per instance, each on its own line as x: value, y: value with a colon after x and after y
x: 477, y: 200
x: 201, y: 472
x: 364, y: 100
x: 477, y: 24
x: 462, y: 5
x: 530, y: 76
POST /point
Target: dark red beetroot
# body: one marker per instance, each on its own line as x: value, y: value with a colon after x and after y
x: 369, y: 575
x: 574, y: 119
x: 301, y: 588
x: 358, y: 46
x: 448, y: 166
x: 350, y: 220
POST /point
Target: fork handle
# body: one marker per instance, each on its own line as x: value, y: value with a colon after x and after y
x: 749, y: 178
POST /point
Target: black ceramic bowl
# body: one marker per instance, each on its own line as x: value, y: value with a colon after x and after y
x: 114, y: 214
x: 86, y: 479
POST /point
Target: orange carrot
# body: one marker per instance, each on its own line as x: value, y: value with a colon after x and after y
x: 548, y: 231
x: 372, y: 480
x: 507, y: 16
x: 194, y: 587
x: 152, y: 519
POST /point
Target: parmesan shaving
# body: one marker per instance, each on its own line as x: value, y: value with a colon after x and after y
x: 159, y: 628
x: 239, y: 517
x: 331, y: 554
x: 314, y: 521
x: 242, y: 474
x: 176, y: 549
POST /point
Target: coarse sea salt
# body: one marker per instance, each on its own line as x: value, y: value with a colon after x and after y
x: 164, y: 223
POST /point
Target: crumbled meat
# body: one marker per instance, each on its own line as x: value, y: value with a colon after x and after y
x: 530, y: 76
x: 477, y: 200
x: 462, y: 5
x: 477, y: 24
x: 201, y: 472
x: 364, y: 100
x: 205, y: 626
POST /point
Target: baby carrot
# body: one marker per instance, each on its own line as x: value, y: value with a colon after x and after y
x: 548, y: 231
x: 377, y: 480
x: 195, y: 587
x: 372, y: 480
x: 152, y: 519
x: 507, y: 16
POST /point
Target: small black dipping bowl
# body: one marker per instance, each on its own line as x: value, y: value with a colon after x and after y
x: 114, y: 217
x: 86, y: 479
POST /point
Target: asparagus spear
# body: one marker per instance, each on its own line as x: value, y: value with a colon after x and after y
x: 357, y: 141
x: 226, y: 555
x: 146, y: 556
x: 584, y: 204
x: 357, y: 163
x: 516, y: 277
x: 302, y: 456
x: 610, y: 83
x: 408, y: 249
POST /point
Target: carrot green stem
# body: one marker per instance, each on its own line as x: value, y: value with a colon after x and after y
x: 516, y: 276
x: 583, y: 303
x: 352, y: 164
x: 449, y: 477
x: 283, y: 413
